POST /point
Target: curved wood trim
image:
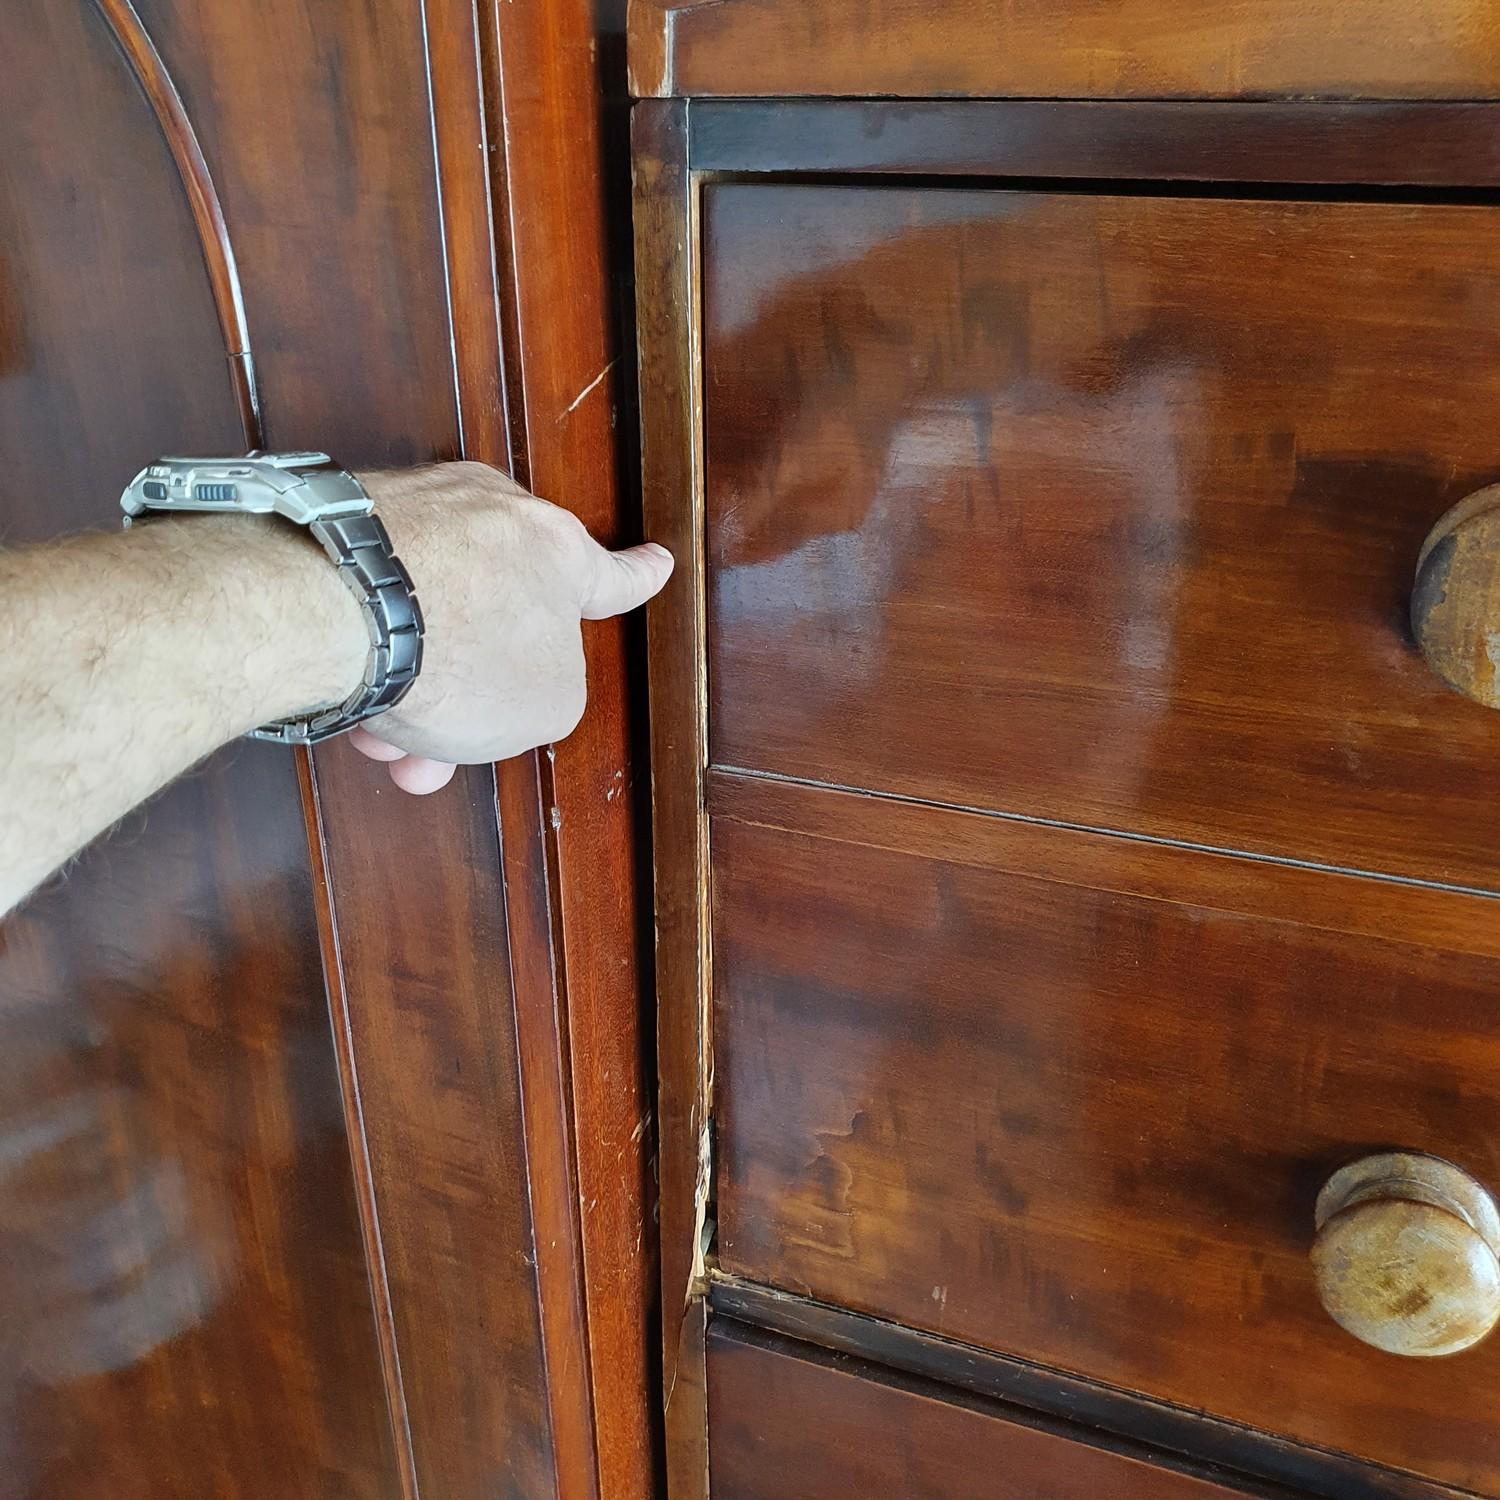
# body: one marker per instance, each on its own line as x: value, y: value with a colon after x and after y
x: 156, y: 83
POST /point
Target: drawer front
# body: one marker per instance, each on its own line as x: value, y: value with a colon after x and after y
x: 1102, y: 509
x: 1072, y: 1098
x: 786, y: 1426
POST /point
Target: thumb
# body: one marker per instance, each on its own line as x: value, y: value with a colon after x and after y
x: 622, y: 581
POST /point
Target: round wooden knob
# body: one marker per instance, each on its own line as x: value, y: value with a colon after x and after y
x: 1407, y: 1256
x: 1455, y: 604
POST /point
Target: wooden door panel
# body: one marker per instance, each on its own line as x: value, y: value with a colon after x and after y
x: 1101, y: 509
x: 1072, y: 1098
x: 243, y: 1253
x: 789, y: 1425
x: 183, y: 1292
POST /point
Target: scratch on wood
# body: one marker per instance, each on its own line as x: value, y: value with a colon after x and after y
x: 593, y: 385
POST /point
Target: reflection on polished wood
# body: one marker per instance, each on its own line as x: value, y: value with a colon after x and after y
x: 1078, y: 1107
x: 1101, y: 509
x: 791, y: 1425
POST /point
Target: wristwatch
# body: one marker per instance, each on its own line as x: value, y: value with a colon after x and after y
x: 310, y: 490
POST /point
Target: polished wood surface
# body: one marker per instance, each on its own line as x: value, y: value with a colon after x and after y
x: 1074, y: 49
x: 791, y: 1425
x: 245, y: 1256
x: 1407, y: 1256
x: 1229, y: 1447
x: 667, y: 278
x: 1455, y: 611
x: 1100, y: 508
x: 1078, y: 1108
x: 183, y: 1300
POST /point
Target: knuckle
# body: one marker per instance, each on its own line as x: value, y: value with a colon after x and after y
x: 562, y: 523
x: 566, y: 535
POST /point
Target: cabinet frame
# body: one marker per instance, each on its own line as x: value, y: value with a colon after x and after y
x: 1332, y: 151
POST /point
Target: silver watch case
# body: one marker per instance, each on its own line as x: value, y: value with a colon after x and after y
x: 311, y: 490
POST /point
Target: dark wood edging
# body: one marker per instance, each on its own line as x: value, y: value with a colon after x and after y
x: 1308, y: 143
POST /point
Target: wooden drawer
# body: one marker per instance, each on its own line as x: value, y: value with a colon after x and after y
x: 1092, y: 868
x: 794, y: 1426
x: 1101, y: 508
x: 1073, y: 1098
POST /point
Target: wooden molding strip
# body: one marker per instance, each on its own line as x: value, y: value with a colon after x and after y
x: 666, y: 275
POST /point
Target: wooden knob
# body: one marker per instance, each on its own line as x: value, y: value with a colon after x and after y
x: 1407, y: 1256
x: 1455, y: 604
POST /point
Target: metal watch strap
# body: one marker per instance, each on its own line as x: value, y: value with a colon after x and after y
x: 361, y: 550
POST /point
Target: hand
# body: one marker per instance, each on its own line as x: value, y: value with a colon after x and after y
x: 503, y: 580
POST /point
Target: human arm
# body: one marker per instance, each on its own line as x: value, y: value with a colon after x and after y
x: 126, y: 658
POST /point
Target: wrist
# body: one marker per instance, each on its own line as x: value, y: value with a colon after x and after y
x: 295, y: 637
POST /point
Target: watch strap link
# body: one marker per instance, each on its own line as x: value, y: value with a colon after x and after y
x: 360, y: 548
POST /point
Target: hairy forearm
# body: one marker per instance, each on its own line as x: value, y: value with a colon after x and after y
x: 126, y: 658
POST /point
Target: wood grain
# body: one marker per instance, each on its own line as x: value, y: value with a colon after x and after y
x: 667, y: 278
x: 1087, y: 1126
x: 791, y: 1426
x: 1135, y: 49
x: 1084, y: 507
